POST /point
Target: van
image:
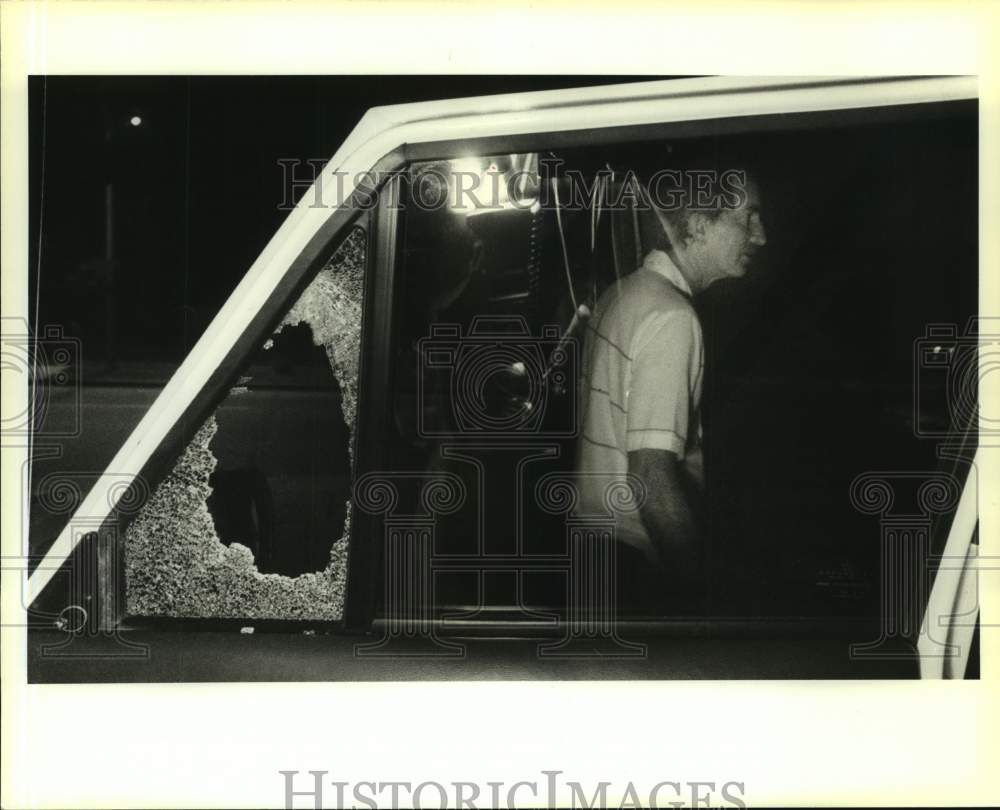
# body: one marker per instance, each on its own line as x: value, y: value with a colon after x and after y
x: 365, y: 468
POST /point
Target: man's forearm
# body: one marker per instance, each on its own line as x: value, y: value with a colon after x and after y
x: 671, y: 524
x: 667, y: 512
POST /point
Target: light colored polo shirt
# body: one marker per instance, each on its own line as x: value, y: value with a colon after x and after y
x: 641, y: 384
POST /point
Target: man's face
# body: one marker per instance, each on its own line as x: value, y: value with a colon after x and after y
x: 730, y: 241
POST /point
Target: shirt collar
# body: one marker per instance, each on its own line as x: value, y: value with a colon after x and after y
x: 661, y: 264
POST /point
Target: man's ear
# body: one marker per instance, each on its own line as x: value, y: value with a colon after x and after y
x: 697, y: 225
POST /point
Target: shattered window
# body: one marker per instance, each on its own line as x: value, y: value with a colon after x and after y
x: 254, y: 520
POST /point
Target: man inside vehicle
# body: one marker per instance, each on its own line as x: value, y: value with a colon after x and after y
x: 642, y: 379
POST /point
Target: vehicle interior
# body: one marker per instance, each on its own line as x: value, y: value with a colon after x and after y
x: 808, y: 373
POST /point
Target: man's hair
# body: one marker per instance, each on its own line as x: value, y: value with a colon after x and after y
x: 680, y: 181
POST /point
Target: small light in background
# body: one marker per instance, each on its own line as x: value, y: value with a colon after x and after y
x: 135, y: 120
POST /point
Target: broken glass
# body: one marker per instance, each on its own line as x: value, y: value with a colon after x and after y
x: 253, y: 522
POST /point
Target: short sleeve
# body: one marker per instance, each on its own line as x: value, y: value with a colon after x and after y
x: 662, y: 386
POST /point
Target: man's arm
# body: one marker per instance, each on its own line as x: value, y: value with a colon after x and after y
x: 667, y: 511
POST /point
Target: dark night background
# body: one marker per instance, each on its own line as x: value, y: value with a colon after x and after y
x: 196, y: 191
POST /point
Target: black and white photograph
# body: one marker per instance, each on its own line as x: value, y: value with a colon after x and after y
x: 331, y: 378
x: 670, y: 397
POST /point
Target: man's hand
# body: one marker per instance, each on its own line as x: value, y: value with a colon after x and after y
x: 667, y: 513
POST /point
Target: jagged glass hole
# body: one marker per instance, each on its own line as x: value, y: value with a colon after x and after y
x: 254, y: 519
